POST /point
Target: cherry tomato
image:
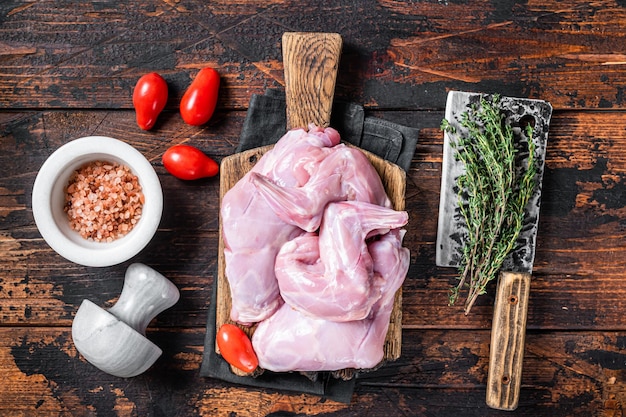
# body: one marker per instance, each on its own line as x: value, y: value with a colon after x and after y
x: 199, y: 101
x: 236, y: 348
x: 149, y: 99
x: 189, y: 163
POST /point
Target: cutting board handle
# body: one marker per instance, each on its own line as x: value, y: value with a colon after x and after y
x: 508, y: 334
x: 311, y: 61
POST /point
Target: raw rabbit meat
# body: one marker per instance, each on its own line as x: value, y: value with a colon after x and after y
x: 332, y: 276
x: 294, y: 341
x: 297, y: 179
x: 253, y: 234
x: 345, y: 174
x: 313, y: 255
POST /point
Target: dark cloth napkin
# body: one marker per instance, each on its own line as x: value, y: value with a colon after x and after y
x: 265, y: 124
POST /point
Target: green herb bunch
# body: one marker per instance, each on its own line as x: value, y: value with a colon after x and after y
x: 493, y: 192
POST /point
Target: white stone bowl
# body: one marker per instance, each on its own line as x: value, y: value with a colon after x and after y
x: 48, y: 200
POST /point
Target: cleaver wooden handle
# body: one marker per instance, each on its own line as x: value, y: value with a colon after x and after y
x: 311, y: 61
x: 508, y: 334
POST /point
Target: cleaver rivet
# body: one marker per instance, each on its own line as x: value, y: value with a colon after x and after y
x: 513, y: 299
x: 506, y: 380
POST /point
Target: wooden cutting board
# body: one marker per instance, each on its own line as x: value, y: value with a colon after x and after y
x: 310, y: 64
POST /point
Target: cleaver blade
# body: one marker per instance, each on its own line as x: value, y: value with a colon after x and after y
x: 511, y: 303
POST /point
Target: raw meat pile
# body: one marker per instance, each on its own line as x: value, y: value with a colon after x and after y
x: 313, y: 254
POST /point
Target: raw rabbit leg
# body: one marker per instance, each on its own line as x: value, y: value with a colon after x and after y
x: 332, y: 276
x: 345, y: 174
x: 293, y: 341
x: 253, y: 234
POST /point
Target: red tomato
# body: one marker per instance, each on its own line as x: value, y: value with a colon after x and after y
x: 199, y: 101
x: 189, y: 163
x: 236, y: 348
x: 149, y: 99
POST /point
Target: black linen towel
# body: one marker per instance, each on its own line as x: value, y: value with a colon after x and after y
x: 265, y: 124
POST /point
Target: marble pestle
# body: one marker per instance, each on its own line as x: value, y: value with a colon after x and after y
x: 114, y: 341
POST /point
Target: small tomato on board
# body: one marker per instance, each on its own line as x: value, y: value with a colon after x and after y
x: 200, y: 99
x: 236, y: 348
x: 149, y: 99
x: 189, y: 163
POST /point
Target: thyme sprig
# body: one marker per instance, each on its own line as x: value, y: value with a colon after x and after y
x: 493, y: 192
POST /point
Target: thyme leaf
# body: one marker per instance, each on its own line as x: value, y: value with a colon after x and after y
x: 493, y: 193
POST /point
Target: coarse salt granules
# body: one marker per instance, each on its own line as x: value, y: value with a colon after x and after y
x: 103, y: 201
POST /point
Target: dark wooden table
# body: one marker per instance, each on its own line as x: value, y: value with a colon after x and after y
x: 68, y: 68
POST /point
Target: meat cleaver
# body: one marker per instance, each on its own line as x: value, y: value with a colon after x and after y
x: 511, y: 302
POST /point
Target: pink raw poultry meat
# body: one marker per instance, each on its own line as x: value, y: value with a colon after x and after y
x: 297, y: 179
x: 253, y: 234
x: 345, y: 174
x: 331, y: 276
x: 294, y: 341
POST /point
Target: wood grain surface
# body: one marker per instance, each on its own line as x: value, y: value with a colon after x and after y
x: 508, y: 336
x: 67, y: 70
x: 311, y: 63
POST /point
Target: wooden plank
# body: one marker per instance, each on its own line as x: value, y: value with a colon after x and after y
x: 553, y: 50
x: 398, y: 56
x: 310, y: 61
x: 443, y: 372
x: 581, y: 245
